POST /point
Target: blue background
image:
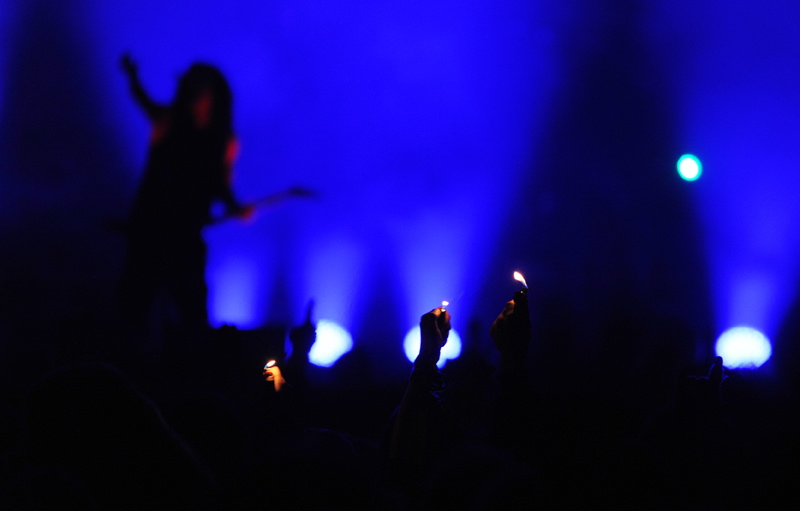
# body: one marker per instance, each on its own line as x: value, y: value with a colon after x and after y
x: 450, y: 145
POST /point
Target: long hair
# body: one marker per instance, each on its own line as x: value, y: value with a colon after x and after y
x: 201, y: 77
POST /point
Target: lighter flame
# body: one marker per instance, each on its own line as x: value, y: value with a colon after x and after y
x: 518, y: 277
x: 445, y: 303
x: 269, y: 364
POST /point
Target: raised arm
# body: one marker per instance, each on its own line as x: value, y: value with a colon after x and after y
x: 514, y: 424
x: 152, y: 109
x: 416, y: 418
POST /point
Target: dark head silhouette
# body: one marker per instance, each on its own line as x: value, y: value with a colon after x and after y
x: 204, y: 99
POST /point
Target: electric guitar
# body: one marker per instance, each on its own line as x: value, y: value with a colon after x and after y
x: 266, y: 202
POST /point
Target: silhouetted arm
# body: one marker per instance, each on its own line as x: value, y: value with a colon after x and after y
x: 302, y: 337
x: 513, y: 415
x: 152, y: 109
x: 288, y: 379
x: 411, y: 432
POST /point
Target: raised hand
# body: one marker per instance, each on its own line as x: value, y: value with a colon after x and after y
x: 434, y: 329
x: 273, y: 373
x: 511, y: 332
x: 303, y: 336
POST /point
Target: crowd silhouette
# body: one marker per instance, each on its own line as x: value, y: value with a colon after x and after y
x: 85, y: 436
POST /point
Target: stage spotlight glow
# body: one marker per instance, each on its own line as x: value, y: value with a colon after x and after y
x: 232, y: 293
x: 332, y: 343
x: 689, y: 167
x: 450, y: 351
x: 743, y: 347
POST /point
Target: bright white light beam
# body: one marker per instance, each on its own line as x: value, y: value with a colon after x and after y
x: 743, y: 347
x: 450, y: 351
x: 333, y: 342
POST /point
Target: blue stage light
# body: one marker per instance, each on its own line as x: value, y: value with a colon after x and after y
x: 333, y: 341
x: 689, y: 167
x: 233, y: 288
x: 743, y: 347
x: 450, y: 351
